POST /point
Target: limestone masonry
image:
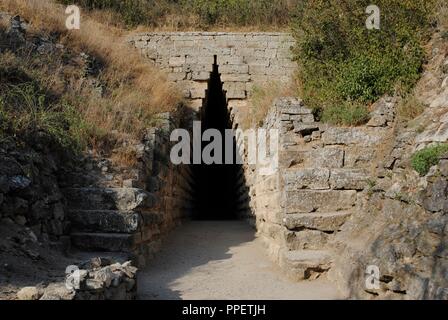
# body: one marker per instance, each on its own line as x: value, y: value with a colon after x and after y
x: 245, y: 60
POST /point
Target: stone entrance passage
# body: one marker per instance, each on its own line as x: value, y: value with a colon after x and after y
x: 215, y: 193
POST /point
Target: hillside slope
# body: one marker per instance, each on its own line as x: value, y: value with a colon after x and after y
x: 402, y: 225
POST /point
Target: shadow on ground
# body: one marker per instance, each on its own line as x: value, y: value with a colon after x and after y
x: 194, y: 246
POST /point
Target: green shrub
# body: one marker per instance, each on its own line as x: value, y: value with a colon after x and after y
x: 424, y: 159
x: 341, y: 61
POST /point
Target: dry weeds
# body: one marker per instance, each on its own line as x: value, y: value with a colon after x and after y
x: 138, y: 90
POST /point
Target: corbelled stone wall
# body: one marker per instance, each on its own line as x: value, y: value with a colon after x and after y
x: 245, y: 60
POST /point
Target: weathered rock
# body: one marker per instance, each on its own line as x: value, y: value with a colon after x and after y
x: 348, y: 136
x: 19, y: 183
x: 317, y: 221
x: 314, y: 178
x: 58, y: 291
x: 383, y: 114
x: 437, y: 196
x: 20, y: 220
x: 328, y: 157
x: 104, y: 275
x: 110, y: 242
x: 305, y: 129
x: 308, y: 201
x: 305, y: 264
x: 94, y: 285
x: 348, y: 179
x: 106, y: 221
x: 124, y: 199
x: 29, y: 293
x: 306, y: 240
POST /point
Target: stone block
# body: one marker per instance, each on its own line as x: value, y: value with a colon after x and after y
x: 305, y: 239
x: 234, y: 69
x: 358, y: 156
x: 235, y: 90
x: 305, y: 264
x: 256, y: 61
x: 235, y: 77
x: 347, y: 136
x: 305, y: 129
x: 257, y: 70
x: 177, y: 76
x: 327, y: 222
x: 315, y: 178
x: 177, y: 61
x: 308, y: 201
x: 230, y: 59
x: 236, y: 94
x: 124, y: 199
x: 257, y: 44
x: 200, y: 75
x: 329, y: 157
x: 105, y: 221
x: 349, y: 179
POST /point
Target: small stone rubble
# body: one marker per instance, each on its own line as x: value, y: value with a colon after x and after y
x: 97, y: 279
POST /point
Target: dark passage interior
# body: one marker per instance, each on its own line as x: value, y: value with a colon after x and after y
x: 216, y: 195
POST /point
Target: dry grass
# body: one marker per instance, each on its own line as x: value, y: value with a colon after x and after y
x: 410, y: 108
x: 172, y: 25
x: 203, y: 15
x: 261, y: 101
x: 137, y: 90
x: 442, y: 14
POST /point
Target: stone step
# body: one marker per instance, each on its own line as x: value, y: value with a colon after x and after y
x: 111, y: 220
x: 327, y: 222
x: 306, y: 178
x: 324, y: 178
x: 123, y: 199
x: 305, y: 264
x: 309, y: 201
x: 85, y: 256
x: 306, y: 240
x: 110, y: 242
x: 105, y: 221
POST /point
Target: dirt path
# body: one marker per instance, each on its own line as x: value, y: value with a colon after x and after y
x: 221, y: 260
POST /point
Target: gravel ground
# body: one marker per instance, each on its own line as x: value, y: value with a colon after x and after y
x: 221, y: 260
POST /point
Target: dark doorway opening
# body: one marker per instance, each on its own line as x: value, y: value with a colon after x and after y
x: 216, y: 193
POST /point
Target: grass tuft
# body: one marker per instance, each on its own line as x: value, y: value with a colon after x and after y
x: 424, y: 159
x: 347, y: 114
